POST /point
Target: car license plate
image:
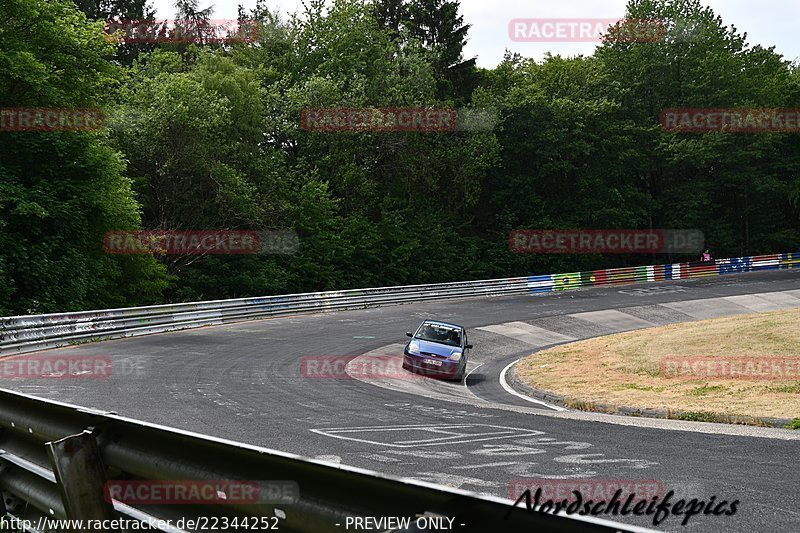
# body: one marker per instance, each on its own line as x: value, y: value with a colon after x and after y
x: 434, y: 362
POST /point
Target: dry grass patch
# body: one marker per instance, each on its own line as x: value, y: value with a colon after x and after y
x: 624, y: 369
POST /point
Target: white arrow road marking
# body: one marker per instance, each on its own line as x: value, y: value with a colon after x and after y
x: 524, y: 470
x: 452, y: 480
x: 509, y: 450
x: 546, y: 441
x: 584, y: 459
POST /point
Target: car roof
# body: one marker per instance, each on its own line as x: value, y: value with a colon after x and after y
x: 438, y: 323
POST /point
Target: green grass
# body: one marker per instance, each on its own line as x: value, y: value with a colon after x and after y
x: 795, y: 389
x: 634, y: 386
x: 705, y: 390
x: 794, y: 424
x: 697, y: 416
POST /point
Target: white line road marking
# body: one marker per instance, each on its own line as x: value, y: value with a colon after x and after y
x: 524, y: 470
x: 443, y: 432
x: 421, y: 427
x: 486, y: 465
x: 485, y: 432
x: 453, y: 480
x: 467, y: 378
x: 428, y: 454
x: 380, y: 458
x: 447, y: 439
x: 328, y: 458
x: 510, y: 390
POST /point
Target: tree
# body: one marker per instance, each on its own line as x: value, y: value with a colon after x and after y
x: 192, y: 142
x: 113, y: 9
x: 441, y: 30
x: 732, y: 186
x: 61, y: 191
x: 127, y: 11
x: 391, y: 15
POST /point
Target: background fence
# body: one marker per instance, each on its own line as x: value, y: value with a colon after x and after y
x: 28, y: 333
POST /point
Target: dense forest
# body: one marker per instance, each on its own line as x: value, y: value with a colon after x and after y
x: 207, y: 135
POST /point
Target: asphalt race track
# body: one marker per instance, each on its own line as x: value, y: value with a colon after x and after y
x: 243, y: 382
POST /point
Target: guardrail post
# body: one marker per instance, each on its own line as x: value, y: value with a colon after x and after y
x: 81, y: 477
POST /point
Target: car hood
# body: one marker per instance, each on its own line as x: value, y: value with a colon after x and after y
x: 442, y: 350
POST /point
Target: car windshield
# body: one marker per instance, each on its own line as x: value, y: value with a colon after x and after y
x: 439, y: 333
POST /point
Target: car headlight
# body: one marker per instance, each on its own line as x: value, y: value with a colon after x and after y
x: 413, y: 348
x: 456, y: 356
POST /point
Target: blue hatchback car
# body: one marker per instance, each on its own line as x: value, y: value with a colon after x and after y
x: 438, y: 349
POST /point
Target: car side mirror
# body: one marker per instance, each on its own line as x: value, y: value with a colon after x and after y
x: 468, y: 346
x: 409, y: 334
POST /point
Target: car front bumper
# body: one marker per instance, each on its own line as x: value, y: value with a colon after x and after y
x: 430, y: 366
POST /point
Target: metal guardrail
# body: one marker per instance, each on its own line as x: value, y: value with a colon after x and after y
x: 55, y: 460
x: 35, y: 332
x: 20, y: 334
x: 48, y: 449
